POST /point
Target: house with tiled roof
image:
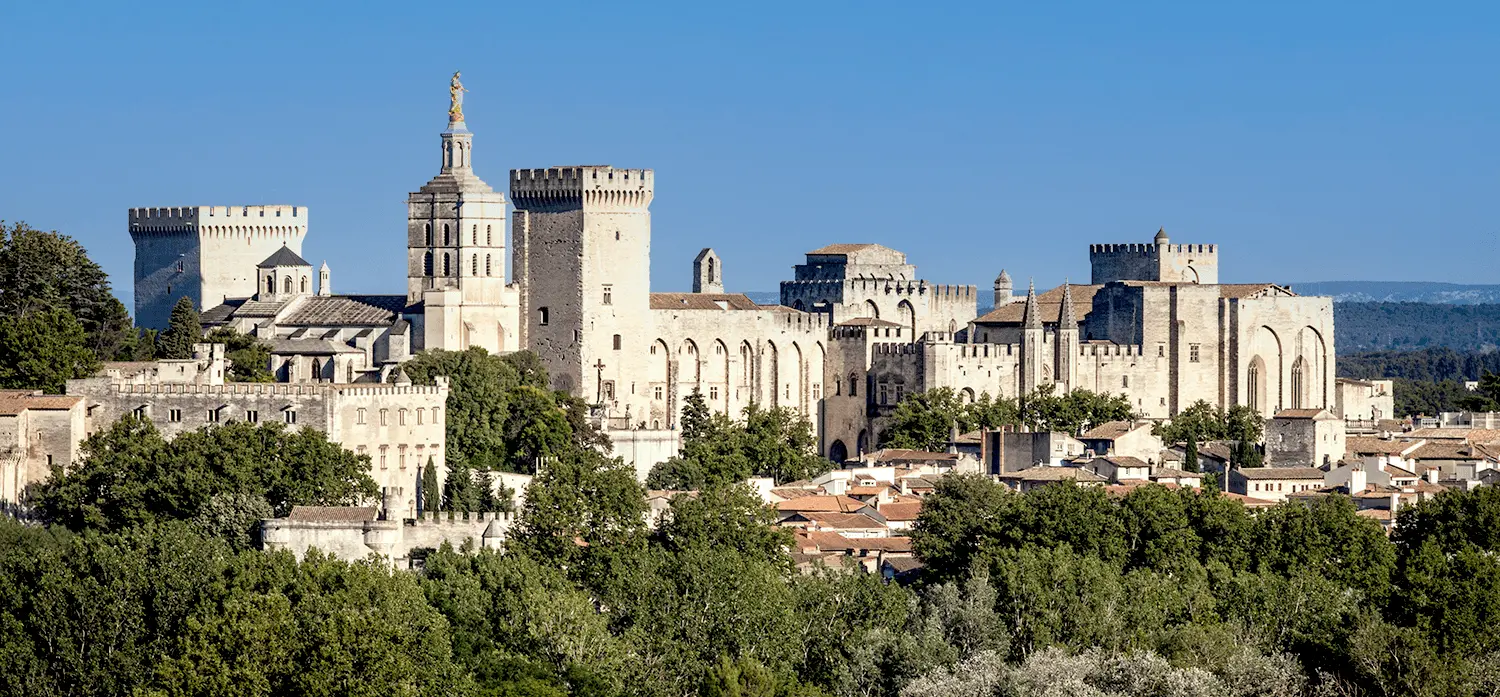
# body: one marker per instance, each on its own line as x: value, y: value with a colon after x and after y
x: 1125, y: 438
x: 1042, y: 475
x: 1118, y: 468
x: 1304, y: 438
x: 1273, y: 483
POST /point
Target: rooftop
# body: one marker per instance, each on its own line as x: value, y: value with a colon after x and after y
x: 1298, y: 473
x: 704, y: 301
x: 283, y: 257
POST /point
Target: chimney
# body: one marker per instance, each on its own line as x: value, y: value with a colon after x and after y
x: 1358, y: 480
x: 1432, y: 474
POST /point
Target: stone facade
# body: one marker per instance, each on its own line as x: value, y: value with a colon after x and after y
x: 207, y: 253
x: 37, y: 431
x: 1364, y: 400
x: 399, y: 426
x: 1304, y: 438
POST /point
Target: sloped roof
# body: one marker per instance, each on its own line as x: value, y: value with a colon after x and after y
x: 906, y: 455
x: 283, y: 257
x: 842, y: 521
x: 1048, y: 473
x: 703, y: 301
x: 220, y: 314
x: 332, y: 514
x: 900, y: 511
x: 1261, y: 473
x: 837, y: 249
x: 867, y: 322
x: 1049, y: 304
x: 825, y: 502
x: 1304, y: 414
x: 334, y: 310
x: 13, y: 402
x: 1471, y: 435
x: 1367, y: 445
x: 310, y: 347
x: 1249, y: 501
x: 1111, y: 430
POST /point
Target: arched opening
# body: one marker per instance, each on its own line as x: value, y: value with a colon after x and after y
x: 872, y: 310
x: 838, y: 452
x: 270, y: 285
x: 446, y: 237
x: 474, y: 266
x: 1299, y: 382
x: 286, y: 285
x: 445, y: 263
x: 304, y: 284
x: 711, y: 271
x: 772, y: 382
x: 427, y: 264
x: 487, y: 268
x: 906, y: 316
x: 428, y: 232
x: 863, y: 445
x: 966, y: 395
x: 719, y: 380
x: 1255, y: 385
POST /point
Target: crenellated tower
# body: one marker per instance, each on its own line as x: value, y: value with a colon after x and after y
x: 207, y: 253
x: 1158, y: 261
x: 582, y: 253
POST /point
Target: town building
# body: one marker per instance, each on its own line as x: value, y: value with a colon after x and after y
x: 37, y: 432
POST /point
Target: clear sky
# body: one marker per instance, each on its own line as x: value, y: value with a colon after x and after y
x: 1313, y: 141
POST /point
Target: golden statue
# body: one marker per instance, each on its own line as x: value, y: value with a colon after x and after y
x: 456, y: 96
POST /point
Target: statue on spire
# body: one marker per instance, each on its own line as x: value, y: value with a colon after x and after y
x: 456, y: 99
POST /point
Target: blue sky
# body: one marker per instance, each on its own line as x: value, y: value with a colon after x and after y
x: 1312, y: 141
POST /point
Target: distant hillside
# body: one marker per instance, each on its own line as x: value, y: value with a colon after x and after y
x: 1399, y: 291
x: 1412, y: 325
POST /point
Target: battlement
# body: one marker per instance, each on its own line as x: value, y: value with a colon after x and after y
x: 895, y: 349
x: 301, y: 389
x: 1110, y: 350
x: 806, y: 321
x: 453, y: 519
x: 988, y: 350
x: 1151, y: 250
x: 600, y: 185
x: 180, y: 215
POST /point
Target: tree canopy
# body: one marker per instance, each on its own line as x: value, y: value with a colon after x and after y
x: 716, y: 450
x: 46, y: 272
x: 42, y: 350
x: 249, y: 357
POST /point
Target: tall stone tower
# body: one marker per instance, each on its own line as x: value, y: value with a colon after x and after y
x: 455, y: 241
x: 1003, y: 289
x: 708, y: 272
x: 582, y: 239
x: 207, y: 253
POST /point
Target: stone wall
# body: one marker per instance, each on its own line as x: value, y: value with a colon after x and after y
x: 393, y: 539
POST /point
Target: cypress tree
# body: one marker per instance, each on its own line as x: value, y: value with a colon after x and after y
x: 1190, y: 454
x: 432, y: 496
x: 184, y: 329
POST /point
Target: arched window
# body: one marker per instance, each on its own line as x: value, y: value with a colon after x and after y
x: 271, y: 285
x: 286, y: 285
x: 475, y: 235
x: 429, y: 234
x: 427, y: 264
x: 1253, y: 386
x: 710, y: 269
x: 487, y: 265
x: 853, y: 385
x: 445, y: 263
x: 474, y: 267
x: 304, y: 284
x: 1298, y: 369
x: 489, y: 235
x: 446, y: 238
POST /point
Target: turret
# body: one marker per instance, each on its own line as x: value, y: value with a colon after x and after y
x: 1003, y: 289
x: 1161, y: 237
x: 708, y: 272
x: 325, y: 286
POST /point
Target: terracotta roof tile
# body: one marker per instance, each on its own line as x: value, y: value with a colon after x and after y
x: 1049, y: 303
x: 900, y: 511
x: 332, y: 514
x: 823, y: 503
x: 13, y: 402
x: 1287, y: 473
x: 704, y: 301
x: 842, y: 521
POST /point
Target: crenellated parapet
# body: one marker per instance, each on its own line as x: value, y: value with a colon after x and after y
x: 1156, y: 261
x: 592, y: 186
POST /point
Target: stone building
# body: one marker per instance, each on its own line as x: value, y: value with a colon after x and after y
x: 206, y: 253
x: 399, y: 426
x: 1156, y: 327
x: 37, y: 431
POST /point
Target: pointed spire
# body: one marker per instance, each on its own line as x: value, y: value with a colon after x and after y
x: 1161, y: 236
x: 1065, y: 317
x: 1033, y: 317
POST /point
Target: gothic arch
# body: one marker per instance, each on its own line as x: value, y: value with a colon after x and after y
x: 1255, y: 386
x: 1299, y: 380
x: 304, y: 284
x: 792, y: 389
x: 966, y: 395
x: 771, y: 381
x: 815, y: 373
x: 720, y: 376
x: 872, y: 310
x: 286, y: 285
x: 838, y: 452
x: 906, y: 316
x: 1267, y: 346
x: 689, y: 367
x: 1312, y: 349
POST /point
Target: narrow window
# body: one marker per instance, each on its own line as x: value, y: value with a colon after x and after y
x: 487, y: 267
x: 542, y: 316
x: 1192, y: 353
x: 384, y: 417
x: 427, y: 264
x: 212, y: 416
x: 445, y: 264
x: 474, y: 236
x: 713, y: 392
x: 882, y: 388
x: 291, y: 416
x: 436, y: 417
x: 286, y: 285
x: 252, y: 416
x: 419, y: 416
x: 359, y: 416
x: 1124, y: 381
x: 174, y: 415
x: 429, y: 234
x: 446, y: 238
x: 617, y: 342
x: 382, y: 456
x: 609, y: 294
x: 817, y: 391
x: 401, y: 417
x: 656, y: 393
x: 609, y: 390
x: 489, y: 235
x: 1161, y: 351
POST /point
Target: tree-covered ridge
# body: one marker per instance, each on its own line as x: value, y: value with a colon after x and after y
x: 1428, y: 381
x: 1406, y: 326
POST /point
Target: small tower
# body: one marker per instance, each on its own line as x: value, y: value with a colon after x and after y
x: 1065, y: 358
x: 283, y: 276
x: 1033, y: 339
x: 708, y: 272
x: 325, y: 286
x: 1003, y: 289
x: 1161, y: 238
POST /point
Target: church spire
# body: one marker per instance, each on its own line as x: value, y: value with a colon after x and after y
x: 1065, y: 317
x: 1033, y: 317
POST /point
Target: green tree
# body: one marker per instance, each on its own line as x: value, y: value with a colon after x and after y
x: 925, y: 420
x: 579, y: 500
x: 45, y: 272
x: 460, y: 491
x: 42, y: 350
x: 432, y: 496
x: 249, y: 357
x: 183, y: 330
x: 536, y: 428
x: 1200, y: 421
x: 129, y: 475
x: 963, y: 512
x: 779, y: 443
x: 1074, y: 412
x: 1190, y: 454
x: 478, y: 404
x: 725, y: 517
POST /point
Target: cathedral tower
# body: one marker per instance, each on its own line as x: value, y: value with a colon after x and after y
x: 582, y: 239
x: 708, y: 272
x: 455, y: 240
